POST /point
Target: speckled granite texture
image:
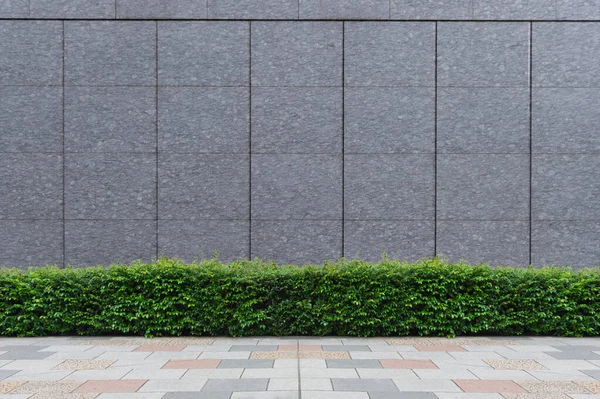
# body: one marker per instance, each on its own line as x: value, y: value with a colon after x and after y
x: 299, y: 130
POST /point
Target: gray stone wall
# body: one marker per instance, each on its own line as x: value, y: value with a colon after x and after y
x: 299, y: 130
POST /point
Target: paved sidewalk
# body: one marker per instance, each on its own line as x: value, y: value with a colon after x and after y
x: 307, y: 368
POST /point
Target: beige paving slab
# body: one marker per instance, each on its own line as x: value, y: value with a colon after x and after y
x: 536, y: 396
x: 135, y: 395
x: 273, y: 355
x: 502, y: 374
x: 324, y: 355
x: 47, y: 387
x: 592, y: 386
x: 568, y: 375
x: 50, y: 395
x: 84, y: 364
x: 548, y: 387
x: 526, y: 364
x: 8, y: 386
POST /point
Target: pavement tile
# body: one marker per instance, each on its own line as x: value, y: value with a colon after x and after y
x: 39, y: 375
x: 400, y: 374
x: 500, y: 375
x: 426, y: 386
x: 440, y: 348
x: 283, y: 384
x: 270, y: 373
x: 566, y: 375
x: 159, y: 348
x: 265, y: 395
x: 174, y: 355
x: 173, y: 385
x: 371, y: 385
x: 536, y: 396
x: 375, y: 355
x: 462, y: 364
x: 212, y: 373
x: 192, y: 364
x: 402, y: 395
x: 490, y: 386
x: 47, y: 387
x: 334, y: 395
x: 346, y: 348
x: 592, y: 373
x: 135, y: 395
x: 8, y: 386
x: 224, y: 355
x: 458, y: 374
x: 287, y: 363
x: 476, y: 355
x: 109, y: 374
x: 522, y: 364
x: 407, y: 364
x: 16, y: 396
x: 316, y: 384
x: 123, y: 356
x: 592, y: 386
x: 246, y: 363
x: 110, y: 386
x: 153, y: 374
x: 253, y: 348
x: 84, y: 365
x: 353, y: 364
x: 442, y: 395
x: 428, y: 355
x: 197, y: 395
x: 191, y: 341
x: 51, y: 395
x: 7, y: 373
x: 575, y: 355
x: 327, y: 373
x: 324, y: 355
x: 547, y: 387
x: 273, y: 355
x: 256, y: 384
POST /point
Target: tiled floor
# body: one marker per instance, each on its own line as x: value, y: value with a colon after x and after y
x: 307, y: 368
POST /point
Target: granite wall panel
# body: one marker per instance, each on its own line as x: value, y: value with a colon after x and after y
x: 299, y: 130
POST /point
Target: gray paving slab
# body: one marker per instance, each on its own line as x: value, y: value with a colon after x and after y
x: 24, y: 354
x: 197, y: 395
x: 402, y: 395
x: 371, y: 385
x: 241, y: 385
x: 353, y: 363
x: 575, y: 355
x: 7, y: 373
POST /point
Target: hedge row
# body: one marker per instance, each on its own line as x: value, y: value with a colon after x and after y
x: 348, y: 298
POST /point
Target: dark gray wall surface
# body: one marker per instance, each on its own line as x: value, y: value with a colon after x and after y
x: 468, y: 129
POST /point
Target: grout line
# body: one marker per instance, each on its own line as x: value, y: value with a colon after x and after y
x: 343, y: 138
x: 64, y: 229
x: 435, y: 134
x: 250, y: 140
x: 530, y: 139
x: 156, y: 131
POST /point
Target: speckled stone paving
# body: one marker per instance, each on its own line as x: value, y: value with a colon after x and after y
x: 307, y: 368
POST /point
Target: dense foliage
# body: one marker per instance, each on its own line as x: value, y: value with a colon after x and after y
x: 348, y: 298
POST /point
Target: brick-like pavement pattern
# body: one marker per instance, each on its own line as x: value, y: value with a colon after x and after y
x: 303, y: 368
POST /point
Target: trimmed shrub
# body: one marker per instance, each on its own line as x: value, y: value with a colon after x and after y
x: 347, y: 298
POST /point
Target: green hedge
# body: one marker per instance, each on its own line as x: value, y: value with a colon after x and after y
x: 348, y: 298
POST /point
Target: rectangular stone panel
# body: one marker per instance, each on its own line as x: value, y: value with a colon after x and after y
x: 431, y: 9
x: 514, y: 9
x: 252, y: 9
x: 14, y: 9
x: 30, y: 119
x: 494, y: 54
x: 494, y: 242
x: 565, y: 120
x: 161, y: 9
x: 296, y: 187
x: 102, y: 242
x: 578, y: 9
x: 483, y: 120
x: 404, y: 240
x: 204, y: 119
x: 97, y: 9
x: 218, y: 55
x: 110, y: 119
x: 566, y: 187
x: 31, y: 186
x: 297, y: 241
x: 110, y: 186
x: 203, y: 186
x: 483, y: 187
x: 297, y: 53
x: 389, y: 120
x: 202, y: 239
x: 297, y: 120
x: 566, y: 54
x: 384, y: 187
x: 389, y: 54
x: 565, y: 243
x: 109, y: 53
x: 344, y: 9
x: 31, y: 53
x: 26, y: 243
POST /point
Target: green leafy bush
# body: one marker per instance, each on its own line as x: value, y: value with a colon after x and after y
x: 348, y: 298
